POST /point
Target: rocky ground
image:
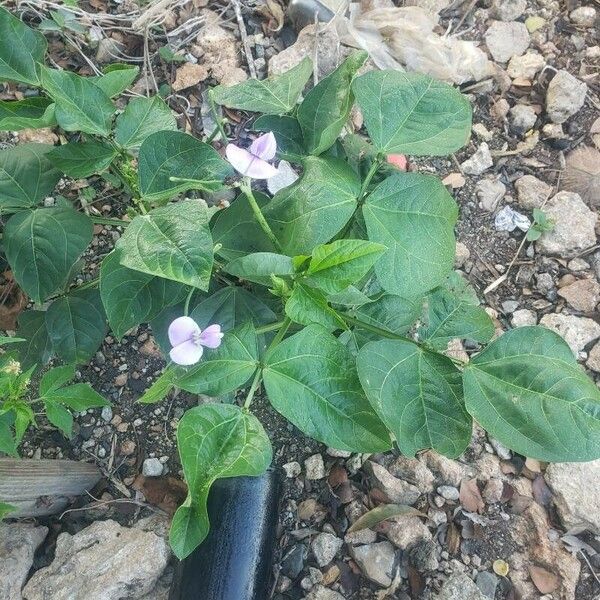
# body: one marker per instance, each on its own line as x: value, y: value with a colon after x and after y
x: 491, y: 525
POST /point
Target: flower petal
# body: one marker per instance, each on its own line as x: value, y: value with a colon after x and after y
x: 186, y: 354
x: 182, y: 329
x: 239, y: 158
x: 260, y: 169
x: 211, y: 337
x: 264, y: 146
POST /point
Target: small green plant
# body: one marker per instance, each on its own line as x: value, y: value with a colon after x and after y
x: 541, y: 223
x: 337, y: 294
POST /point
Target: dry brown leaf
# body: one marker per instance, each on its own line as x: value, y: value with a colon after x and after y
x: 541, y: 491
x: 470, y: 496
x: 453, y: 537
x: 582, y: 174
x: 165, y: 492
x: 273, y: 12
x: 383, y: 512
x: 189, y: 75
x: 12, y: 302
x: 543, y: 580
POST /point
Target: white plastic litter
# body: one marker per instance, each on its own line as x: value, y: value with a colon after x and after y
x: 509, y: 220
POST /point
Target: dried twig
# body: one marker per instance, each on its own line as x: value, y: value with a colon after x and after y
x: 244, y: 35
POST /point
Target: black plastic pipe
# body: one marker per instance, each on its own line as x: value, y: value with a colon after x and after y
x: 234, y: 561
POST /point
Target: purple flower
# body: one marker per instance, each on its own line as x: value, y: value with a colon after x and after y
x: 253, y: 162
x: 187, y: 340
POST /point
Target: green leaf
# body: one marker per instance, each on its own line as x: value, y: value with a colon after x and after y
x: 26, y: 176
x: 390, y: 312
x: 325, y: 109
x: 287, y: 133
x: 414, y: 216
x: 56, y: 378
x: 335, y: 266
x: 60, y: 417
x: 311, y: 379
x: 30, y: 113
x: 42, y: 246
x: 77, y: 397
x: 142, y: 118
x: 225, y: 369
x: 80, y: 105
x: 215, y: 441
x: 5, y: 510
x: 160, y: 388
x: 236, y: 230
x: 417, y: 394
x: 307, y: 305
x: 259, y: 267
x: 76, y: 325
x: 527, y: 390
x: 131, y: 297
x: 5, y: 339
x: 231, y: 307
x: 22, y: 49
x: 411, y: 113
x: 314, y: 208
x: 37, y: 348
x: 167, y: 154
x: 448, y: 317
x: 8, y: 444
x: 173, y: 242
x: 82, y: 159
x: 115, y: 80
x: 382, y: 513
x: 275, y: 95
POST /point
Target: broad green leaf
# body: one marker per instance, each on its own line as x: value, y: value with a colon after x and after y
x: 411, y: 113
x: 24, y: 417
x: 22, y: 49
x: 5, y: 510
x: 26, y: 176
x: 59, y: 416
x: 448, y: 317
x: 131, y: 297
x: 236, y: 230
x: 316, y: 207
x: 8, y: 444
x: 414, y: 216
x: 160, y: 388
x: 80, y: 105
x: 116, y: 79
x: 417, y: 394
x: 82, y: 159
x: 389, y: 312
x: 76, y: 325
x: 224, y: 369
x: 287, y: 133
x: 30, y: 113
x: 37, y: 347
x: 383, y: 512
x: 214, y: 441
x: 350, y: 297
x: 274, y: 96
x: 77, y: 397
x: 311, y: 379
x: 335, y: 266
x: 325, y: 109
x: 307, y: 305
x: 42, y: 246
x: 142, y: 118
x: 232, y: 307
x: 527, y: 390
x: 173, y: 242
x: 56, y: 378
x: 259, y: 267
x: 167, y: 154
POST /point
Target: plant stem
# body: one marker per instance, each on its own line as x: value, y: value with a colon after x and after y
x: 186, y: 307
x: 285, y: 325
x: 89, y: 284
x: 372, y: 171
x: 247, y: 190
x: 107, y: 221
x: 269, y: 327
x: 218, y: 120
x: 374, y: 329
x: 253, y: 388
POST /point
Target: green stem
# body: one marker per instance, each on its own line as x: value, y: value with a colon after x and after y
x: 375, y: 165
x: 89, y: 284
x: 247, y: 190
x: 218, y: 120
x: 269, y: 327
x: 107, y: 221
x: 186, y: 307
x: 253, y: 388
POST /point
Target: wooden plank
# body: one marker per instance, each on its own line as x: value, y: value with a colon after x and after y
x: 44, y: 487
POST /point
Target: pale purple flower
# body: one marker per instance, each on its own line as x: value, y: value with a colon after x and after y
x: 254, y: 161
x: 188, y: 340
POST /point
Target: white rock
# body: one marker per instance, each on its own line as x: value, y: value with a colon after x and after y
x: 565, y: 96
x: 505, y: 40
x: 574, y: 226
x: 480, y: 130
x: 152, y: 467
x: 523, y: 317
x: 462, y: 255
x: 314, y: 467
x: 292, y: 469
x: 376, y: 561
x: 501, y: 450
x: 103, y: 561
x: 460, y: 587
x: 593, y: 361
x: 397, y: 490
x: 508, y: 10
x: 522, y: 117
x: 479, y: 162
x: 18, y: 543
x: 576, y: 488
x: 490, y: 192
x: 406, y: 532
x: 531, y: 192
x: 320, y: 592
x: 526, y: 66
x: 584, y: 16
x: 325, y: 546
x: 448, y: 492
x: 578, y: 332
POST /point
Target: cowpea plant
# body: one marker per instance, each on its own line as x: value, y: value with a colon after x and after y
x: 337, y: 294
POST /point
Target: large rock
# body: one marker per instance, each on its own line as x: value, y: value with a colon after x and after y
x: 508, y: 10
x: 526, y: 66
x: 565, y: 96
x: 397, y: 490
x: 460, y: 587
x: 576, y: 488
x: 104, y: 561
x: 574, y: 226
x: 376, y: 561
x: 325, y: 546
x: 406, y: 532
x: 320, y: 592
x: 532, y: 192
x: 583, y: 294
x: 505, y: 40
x: 18, y: 543
x: 578, y: 332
